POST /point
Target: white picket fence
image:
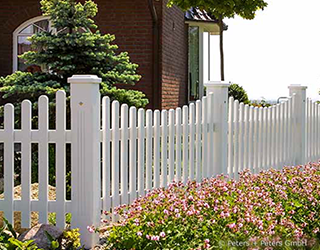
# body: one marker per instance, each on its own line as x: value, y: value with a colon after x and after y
x: 260, y: 137
x: 143, y: 150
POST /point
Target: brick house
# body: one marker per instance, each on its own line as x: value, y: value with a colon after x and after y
x: 170, y: 46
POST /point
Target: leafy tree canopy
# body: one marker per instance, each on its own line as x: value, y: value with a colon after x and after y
x: 223, y: 8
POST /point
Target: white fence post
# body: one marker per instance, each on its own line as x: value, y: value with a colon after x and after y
x: 299, y: 111
x: 220, y: 119
x: 85, y: 155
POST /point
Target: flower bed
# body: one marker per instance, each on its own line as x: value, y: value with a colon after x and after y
x: 270, y: 210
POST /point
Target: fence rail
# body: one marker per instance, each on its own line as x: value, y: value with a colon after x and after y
x: 145, y: 149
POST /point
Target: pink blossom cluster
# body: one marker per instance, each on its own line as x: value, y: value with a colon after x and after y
x: 272, y: 204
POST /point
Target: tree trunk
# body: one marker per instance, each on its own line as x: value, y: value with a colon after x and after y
x: 220, y: 21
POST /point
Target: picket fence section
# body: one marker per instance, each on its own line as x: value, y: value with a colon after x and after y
x: 144, y: 149
x: 43, y: 136
x: 260, y: 137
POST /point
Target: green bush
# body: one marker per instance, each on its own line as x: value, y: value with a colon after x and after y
x: 238, y: 93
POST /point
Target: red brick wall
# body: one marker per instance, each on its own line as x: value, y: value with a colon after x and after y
x: 174, y: 58
x: 131, y: 22
x: 13, y: 14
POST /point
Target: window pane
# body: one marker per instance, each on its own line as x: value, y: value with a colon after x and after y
x: 27, y: 30
x: 23, y: 44
x: 194, y: 63
x: 41, y: 26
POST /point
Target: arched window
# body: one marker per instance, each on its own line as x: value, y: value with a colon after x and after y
x: 21, y: 43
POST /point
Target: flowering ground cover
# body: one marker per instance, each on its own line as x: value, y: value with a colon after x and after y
x: 270, y: 210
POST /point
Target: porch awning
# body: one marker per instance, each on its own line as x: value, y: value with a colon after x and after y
x: 198, y: 17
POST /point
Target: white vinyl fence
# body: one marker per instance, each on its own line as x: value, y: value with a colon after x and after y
x: 145, y: 149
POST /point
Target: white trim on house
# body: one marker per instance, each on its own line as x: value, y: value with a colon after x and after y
x: 204, y: 52
x: 16, y: 33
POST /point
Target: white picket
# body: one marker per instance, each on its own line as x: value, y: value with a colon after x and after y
x: 185, y: 143
x: 314, y: 132
x: 291, y: 131
x: 156, y: 149
x: 43, y: 158
x: 115, y: 157
x: 178, y: 144
x: 260, y: 139
x: 26, y: 164
x: 133, y: 154
x: 278, y: 145
x: 256, y: 139
x: 8, y: 162
x: 241, y: 137
x: 61, y: 160
x: 235, y: 169
x: 282, y: 135
x: 251, y: 139
x: 308, y: 128
x: 269, y: 138
x: 192, y: 141
x: 149, y: 136
x: 204, y: 138
x: 265, y: 136
x: 210, y: 134
x: 246, y: 137
x: 164, y: 149
x: 198, y: 140
x: 171, y: 145
x: 286, y: 133
x: 274, y: 137
x: 230, y: 137
x: 141, y: 152
x: 124, y: 154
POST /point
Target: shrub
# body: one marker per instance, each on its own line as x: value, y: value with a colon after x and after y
x: 260, y: 104
x: 273, y: 206
x: 238, y: 93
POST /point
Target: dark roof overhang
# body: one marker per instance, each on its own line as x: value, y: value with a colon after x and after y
x: 195, y: 15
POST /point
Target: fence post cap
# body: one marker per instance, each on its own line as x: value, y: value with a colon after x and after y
x: 84, y: 79
x: 297, y: 86
x: 217, y: 84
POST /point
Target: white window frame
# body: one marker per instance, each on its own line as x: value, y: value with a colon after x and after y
x: 16, y: 33
x: 204, y: 62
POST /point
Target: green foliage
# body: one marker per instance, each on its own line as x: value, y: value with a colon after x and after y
x: 52, y: 218
x: 71, y: 239
x: 238, y: 93
x: 260, y: 104
x: 54, y: 243
x: 9, y: 241
x: 224, y: 8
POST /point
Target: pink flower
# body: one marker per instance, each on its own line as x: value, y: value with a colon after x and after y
x: 90, y: 229
x: 162, y: 234
x: 207, y: 241
x: 155, y: 238
x: 139, y: 234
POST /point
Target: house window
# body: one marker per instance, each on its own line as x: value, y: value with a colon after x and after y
x: 21, y: 43
x: 194, y: 63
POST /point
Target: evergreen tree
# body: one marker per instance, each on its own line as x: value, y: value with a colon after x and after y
x: 73, y: 46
